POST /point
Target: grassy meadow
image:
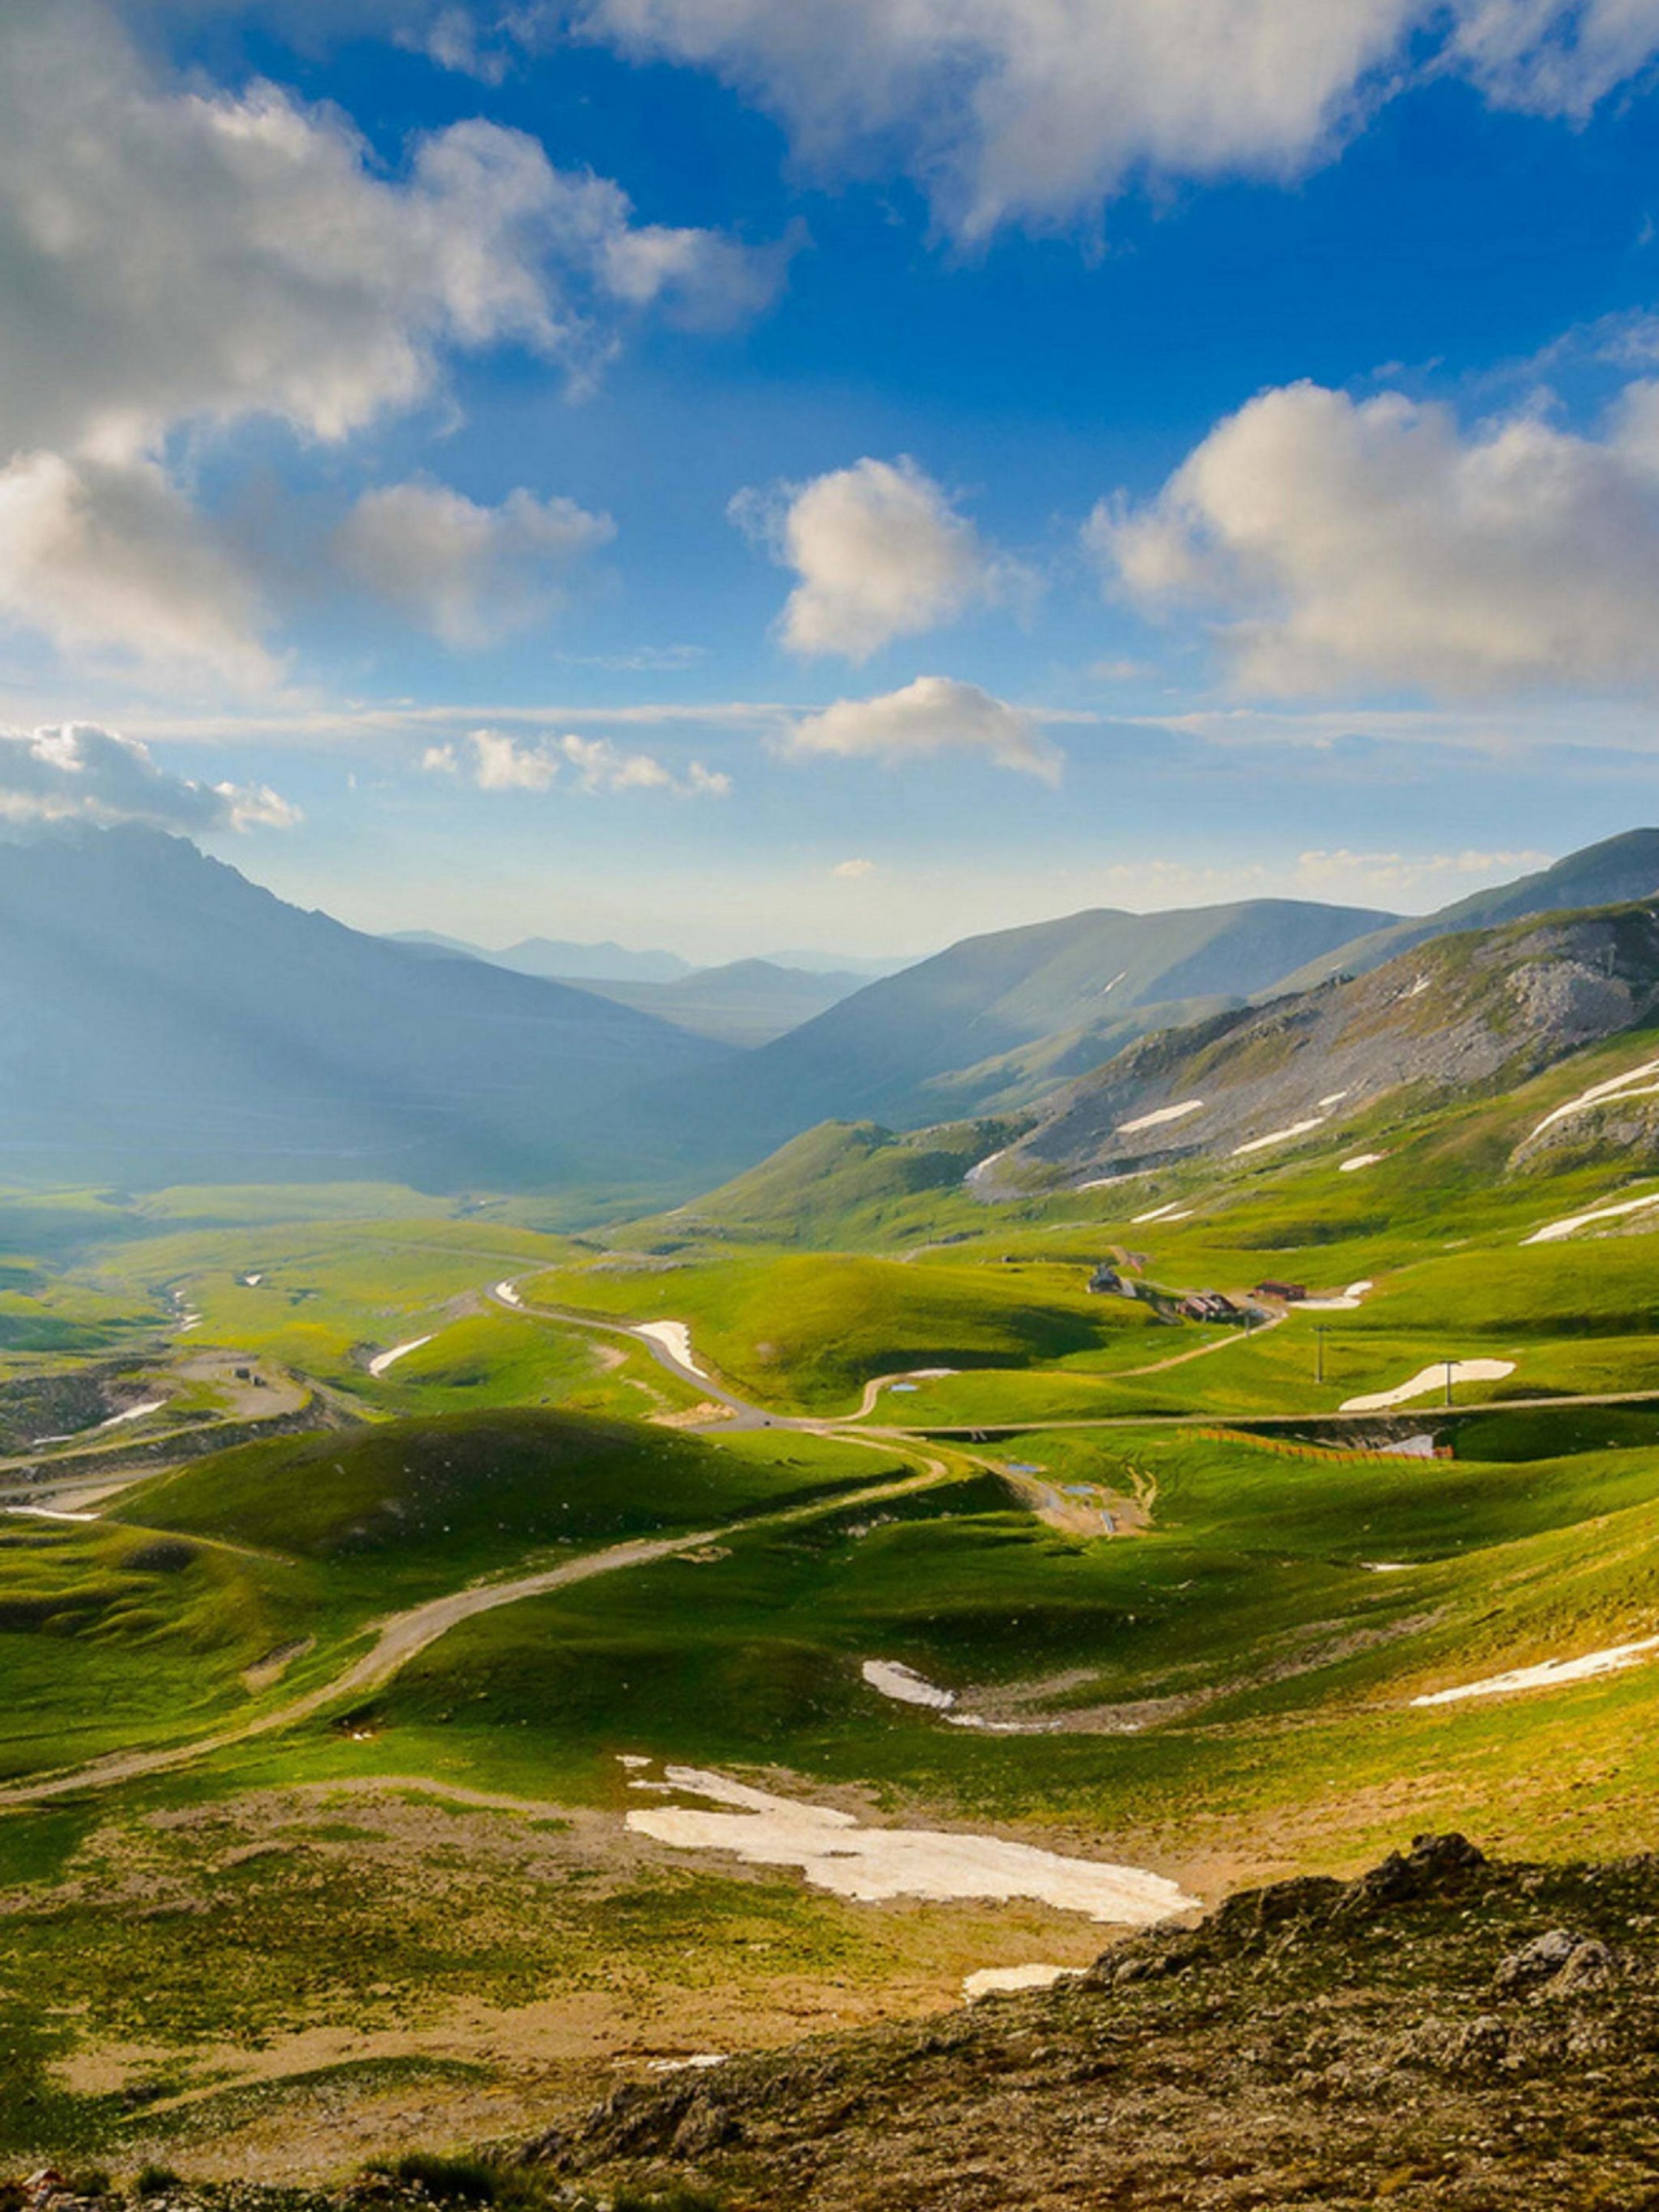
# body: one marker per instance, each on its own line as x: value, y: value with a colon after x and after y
x: 1224, y: 1692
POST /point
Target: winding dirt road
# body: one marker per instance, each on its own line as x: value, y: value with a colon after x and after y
x: 406, y: 1634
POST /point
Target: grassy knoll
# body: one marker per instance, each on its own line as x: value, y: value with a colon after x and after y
x: 150, y: 1628
x: 111, y: 1636
x: 421, y: 1505
x: 806, y: 1334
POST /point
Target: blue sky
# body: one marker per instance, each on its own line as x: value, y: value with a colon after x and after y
x: 730, y: 477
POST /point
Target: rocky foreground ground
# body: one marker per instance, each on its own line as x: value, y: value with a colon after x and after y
x: 1442, y: 2032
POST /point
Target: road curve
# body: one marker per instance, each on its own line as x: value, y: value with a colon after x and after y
x: 406, y: 1634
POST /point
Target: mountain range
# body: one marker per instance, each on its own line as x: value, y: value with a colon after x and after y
x: 161, y: 1018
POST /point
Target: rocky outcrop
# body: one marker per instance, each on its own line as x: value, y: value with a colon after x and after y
x: 1442, y: 2031
x: 1462, y: 1015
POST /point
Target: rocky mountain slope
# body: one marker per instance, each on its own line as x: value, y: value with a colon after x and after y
x: 1456, y: 1014
x: 951, y: 1037
x: 1441, y: 2033
x: 163, y: 1020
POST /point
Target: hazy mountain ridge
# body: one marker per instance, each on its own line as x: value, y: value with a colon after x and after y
x: 882, y: 1054
x: 160, y: 1015
x: 1616, y: 871
x: 747, y: 1003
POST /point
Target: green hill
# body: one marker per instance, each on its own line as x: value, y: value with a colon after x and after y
x: 436, y: 1499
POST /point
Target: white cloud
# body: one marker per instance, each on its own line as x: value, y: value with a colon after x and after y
x: 1395, y: 875
x: 880, y: 551
x: 929, y: 718
x: 502, y: 763
x: 75, y: 772
x: 183, y: 258
x: 1040, y: 109
x: 453, y: 39
x: 854, y: 872
x: 1380, y: 542
x: 106, y: 556
x: 471, y: 574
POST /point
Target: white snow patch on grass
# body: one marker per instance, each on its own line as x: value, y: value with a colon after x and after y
x: 1164, y: 1114
x: 697, y: 2062
x: 1000, y: 1981
x: 1616, y: 1086
x: 132, y: 1414
x: 1428, y: 1379
x: 1557, y: 1229
x: 1171, y: 1212
x: 1549, y: 1674
x: 892, y: 1679
x: 1279, y: 1136
x: 49, y: 1512
x: 981, y: 1169
x: 1361, y: 1160
x: 835, y: 1853
x: 675, y: 1339
x: 1349, y: 1302
x: 508, y: 1293
x: 1333, y: 1098
x: 382, y: 1360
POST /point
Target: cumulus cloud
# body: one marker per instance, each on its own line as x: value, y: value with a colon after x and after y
x: 930, y: 718
x: 594, y: 764
x: 881, y: 553
x: 471, y: 574
x: 1007, y: 111
x: 854, y: 872
x: 103, y: 557
x: 192, y: 258
x: 1380, y: 541
x: 76, y: 772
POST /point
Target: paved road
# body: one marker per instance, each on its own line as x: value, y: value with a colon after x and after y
x: 406, y: 1634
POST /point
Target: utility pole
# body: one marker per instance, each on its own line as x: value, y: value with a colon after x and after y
x: 1319, y: 1352
x: 1449, y: 1364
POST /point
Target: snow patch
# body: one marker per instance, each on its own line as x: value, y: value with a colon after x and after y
x: 835, y: 1853
x: 1428, y: 1379
x: 1163, y: 1114
x: 982, y: 1168
x: 892, y: 1679
x: 1171, y: 1212
x: 1557, y: 1229
x: 382, y: 1360
x: 132, y: 1414
x: 1361, y: 1160
x: 1349, y: 1302
x: 1600, y: 1093
x: 675, y: 1339
x: 1279, y: 1136
x: 1000, y: 1981
x: 507, y: 1294
x: 1549, y: 1674
x: 1333, y: 1098
x: 698, y: 2062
